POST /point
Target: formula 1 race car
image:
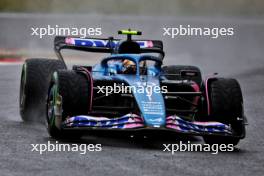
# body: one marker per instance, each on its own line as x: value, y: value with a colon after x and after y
x: 130, y: 90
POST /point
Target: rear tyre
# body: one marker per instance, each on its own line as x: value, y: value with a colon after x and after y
x: 35, y: 77
x: 68, y: 95
x: 227, y: 107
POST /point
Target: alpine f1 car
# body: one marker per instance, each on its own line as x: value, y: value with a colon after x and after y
x: 130, y: 90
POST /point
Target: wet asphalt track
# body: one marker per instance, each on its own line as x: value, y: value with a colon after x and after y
x: 240, y: 56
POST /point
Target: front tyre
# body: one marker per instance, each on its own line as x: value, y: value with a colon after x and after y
x: 226, y: 103
x: 69, y: 95
x: 35, y: 77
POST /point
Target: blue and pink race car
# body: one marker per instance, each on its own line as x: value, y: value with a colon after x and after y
x: 130, y: 90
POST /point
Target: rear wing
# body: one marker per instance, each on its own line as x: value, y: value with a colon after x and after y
x: 103, y: 45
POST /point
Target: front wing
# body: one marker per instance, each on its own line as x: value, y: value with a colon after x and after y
x: 135, y: 122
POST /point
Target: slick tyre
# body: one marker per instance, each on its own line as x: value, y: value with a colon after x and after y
x: 226, y: 103
x: 35, y: 77
x: 69, y: 95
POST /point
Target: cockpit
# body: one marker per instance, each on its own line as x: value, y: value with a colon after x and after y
x: 133, y: 64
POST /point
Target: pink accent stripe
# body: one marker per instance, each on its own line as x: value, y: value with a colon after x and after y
x: 211, y: 123
x: 138, y: 120
x: 176, y: 127
x: 133, y: 125
x: 91, y: 99
x: 91, y: 87
x: 208, y: 123
x: 149, y: 44
x: 175, y: 122
x: 207, y: 94
x: 196, y: 88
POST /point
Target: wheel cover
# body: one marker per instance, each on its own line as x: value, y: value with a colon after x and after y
x: 54, y: 107
x: 50, y: 105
